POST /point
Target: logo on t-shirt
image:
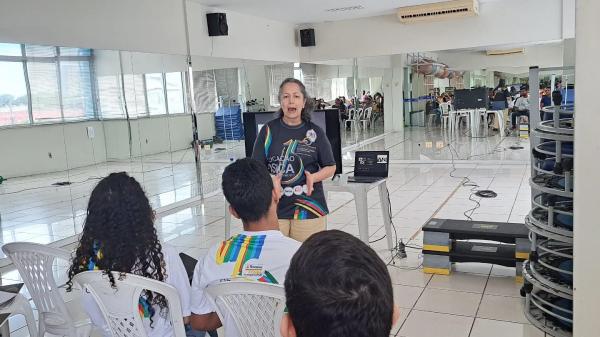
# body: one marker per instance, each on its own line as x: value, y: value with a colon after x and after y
x: 311, y: 136
x: 298, y: 190
x: 252, y: 270
x: 288, y: 191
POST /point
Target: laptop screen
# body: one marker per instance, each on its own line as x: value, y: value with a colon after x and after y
x: 371, y: 163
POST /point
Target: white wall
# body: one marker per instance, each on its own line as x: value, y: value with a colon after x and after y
x: 257, y: 83
x: 392, y: 83
x: 249, y: 37
x: 333, y: 71
x: 138, y: 25
x: 206, y: 125
x: 385, y: 35
x: 569, y: 52
x: 587, y: 176
x: 25, y: 150
x: 155, y: 26
x: 149, y: 136
x: 549, y: 55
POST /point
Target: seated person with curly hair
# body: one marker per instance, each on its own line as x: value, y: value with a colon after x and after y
x: 119, y: 236
x: 337, y: 286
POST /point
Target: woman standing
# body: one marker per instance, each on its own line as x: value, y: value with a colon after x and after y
x: 298, y: 152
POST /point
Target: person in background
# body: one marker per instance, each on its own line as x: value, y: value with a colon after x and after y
x: 298, y: 151
x: 339, y: 104
x: 545, y: 100
x: 119, y: 236
x: 557, y: 94
x: 521, y: 108
x: 261, y: 253
x: 337, y: 286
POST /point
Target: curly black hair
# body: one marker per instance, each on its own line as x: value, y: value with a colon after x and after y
x: 120, y: 222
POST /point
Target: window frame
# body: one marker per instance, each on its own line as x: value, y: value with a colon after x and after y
x: 25, y: 60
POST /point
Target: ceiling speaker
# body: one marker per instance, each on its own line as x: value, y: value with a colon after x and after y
x: 217, y: 24
x: 307, y: 37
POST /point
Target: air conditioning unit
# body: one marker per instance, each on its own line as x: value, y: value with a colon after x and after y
x: 438, y: 11
x: 500, y: 52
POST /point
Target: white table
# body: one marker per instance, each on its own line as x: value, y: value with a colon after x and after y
x: 360, y: 190
x: 362, y: 207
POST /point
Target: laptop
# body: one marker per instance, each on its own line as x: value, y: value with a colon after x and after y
x: 370, y: 166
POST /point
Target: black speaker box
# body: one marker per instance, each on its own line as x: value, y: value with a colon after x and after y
x: 307, y: 37
x: 217, y: 24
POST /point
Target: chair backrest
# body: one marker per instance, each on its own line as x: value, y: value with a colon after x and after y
x: 34, y: 263
x: 351, y: 113
x: 359, y: 113
x: 119, y: 305
x: 255, y: 307
x: 367, y: 113
x: 445, y: 107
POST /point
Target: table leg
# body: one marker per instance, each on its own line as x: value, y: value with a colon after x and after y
x: 362, y: 211
x: 385, y: 210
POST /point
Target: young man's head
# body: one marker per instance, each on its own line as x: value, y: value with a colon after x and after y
x: 337, y: 286
x: 248, y: 188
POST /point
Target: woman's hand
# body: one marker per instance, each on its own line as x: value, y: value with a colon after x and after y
x: 312, y: 178
x: 310, y: 181
x: 277, y: 185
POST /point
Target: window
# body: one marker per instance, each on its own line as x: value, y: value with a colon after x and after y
x: 135, y: 96
x: 76, y: 89
x: 43, y: 83
x: 13, y: 94
x: 155, y: 92
x: 175, y: 97
x: 338, y: 87
x: 110, y: 100
x: 226, y: 83
x: 39, y: 51
x: 10, y: 49
x: 276, y: 74
x: 65, y: 51
x: 309, y: 78
x: 205, y: 92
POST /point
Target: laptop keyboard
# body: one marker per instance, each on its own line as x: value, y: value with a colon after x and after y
x: 356, y: 179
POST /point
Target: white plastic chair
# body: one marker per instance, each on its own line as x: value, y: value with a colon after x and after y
x: 120, y: 306
x: 255, y: 307
x: 445, y: 108
x: 34, y: 263
x: 366, y: 117
x: 19, y: 306
x: 351, y: 118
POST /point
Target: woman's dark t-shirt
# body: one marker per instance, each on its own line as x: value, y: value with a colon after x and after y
x: 292, y: 150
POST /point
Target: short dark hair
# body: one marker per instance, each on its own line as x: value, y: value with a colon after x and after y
x: 247, y: 186
x: 337, y: 286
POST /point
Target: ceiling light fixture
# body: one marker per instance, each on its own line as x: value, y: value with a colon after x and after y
x: 345, y: 9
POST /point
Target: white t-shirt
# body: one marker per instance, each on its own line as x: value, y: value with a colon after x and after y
x: 522, y: 103
x: 161, y: 326
x: 260, y: 256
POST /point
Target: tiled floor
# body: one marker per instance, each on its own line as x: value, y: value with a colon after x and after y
x: 476, y: 300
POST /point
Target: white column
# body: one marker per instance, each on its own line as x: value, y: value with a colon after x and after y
x: 392, y: 88
x: 587, y: 173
